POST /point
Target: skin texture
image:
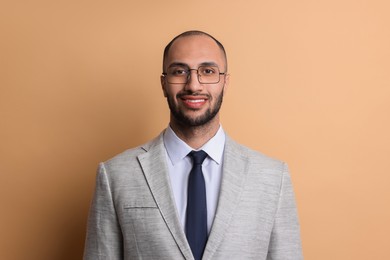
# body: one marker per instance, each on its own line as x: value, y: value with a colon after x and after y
x: 195, y: 122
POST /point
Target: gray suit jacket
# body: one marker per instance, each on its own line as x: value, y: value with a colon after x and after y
x: 133, y: 213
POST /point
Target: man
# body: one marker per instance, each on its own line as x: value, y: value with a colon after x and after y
x: 193, y: 193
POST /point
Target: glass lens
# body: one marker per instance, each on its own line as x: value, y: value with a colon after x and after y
x: 177, y: 75
x: 208, y: 74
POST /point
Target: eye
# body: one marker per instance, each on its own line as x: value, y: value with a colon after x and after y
x: 178, y: 71
x: 207, y: 71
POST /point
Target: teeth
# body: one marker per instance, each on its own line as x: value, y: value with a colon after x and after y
x: 195, y: 100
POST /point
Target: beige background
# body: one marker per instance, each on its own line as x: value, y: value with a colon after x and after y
x: 310, y: 84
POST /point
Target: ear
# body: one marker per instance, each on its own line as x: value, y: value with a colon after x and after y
x: 163, y: 82
x: 226, y: 83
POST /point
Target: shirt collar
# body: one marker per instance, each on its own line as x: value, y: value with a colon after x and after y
x: 177, y: 149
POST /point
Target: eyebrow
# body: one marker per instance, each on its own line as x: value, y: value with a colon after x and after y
x: 181, y: 64
x: 178, y: 64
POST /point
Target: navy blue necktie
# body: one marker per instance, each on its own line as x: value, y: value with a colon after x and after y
x: 196, y: 220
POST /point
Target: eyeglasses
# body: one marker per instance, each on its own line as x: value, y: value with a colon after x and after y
x: 181, y: 74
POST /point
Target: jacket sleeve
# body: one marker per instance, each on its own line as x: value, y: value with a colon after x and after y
x: 104, y: 237
x: 285, y: 243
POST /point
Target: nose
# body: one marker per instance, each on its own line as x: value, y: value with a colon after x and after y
x: 193, y: 84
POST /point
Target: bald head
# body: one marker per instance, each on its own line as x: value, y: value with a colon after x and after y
x: 193, y: 33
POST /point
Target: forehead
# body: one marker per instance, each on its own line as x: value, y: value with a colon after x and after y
x: 195, y: 50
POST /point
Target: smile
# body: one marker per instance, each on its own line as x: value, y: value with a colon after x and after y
x: 194, y: 100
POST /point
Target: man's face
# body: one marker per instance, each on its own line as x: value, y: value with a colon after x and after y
x: 194, y: 103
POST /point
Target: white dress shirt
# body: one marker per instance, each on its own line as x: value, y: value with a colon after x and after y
x: 180, y: 165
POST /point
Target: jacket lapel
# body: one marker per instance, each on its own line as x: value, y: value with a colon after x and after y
x: 233, y: 178
x: 155, y: 169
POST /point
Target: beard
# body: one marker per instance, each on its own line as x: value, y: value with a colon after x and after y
x: 199, y: 120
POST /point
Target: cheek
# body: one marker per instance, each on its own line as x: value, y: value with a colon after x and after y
x: 170, y: 94
x: 170, y: 91
x: 217, y: 93
x: 166, y: 91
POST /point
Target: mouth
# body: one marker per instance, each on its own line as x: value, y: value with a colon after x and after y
x: 193, y: 102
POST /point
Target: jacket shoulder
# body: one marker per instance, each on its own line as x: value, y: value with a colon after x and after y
x: 129, y: 156
x: 252, y: 156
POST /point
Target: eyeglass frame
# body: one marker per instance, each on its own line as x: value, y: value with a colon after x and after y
x: 164, y: 74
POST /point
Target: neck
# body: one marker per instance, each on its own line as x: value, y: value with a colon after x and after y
x: 195, y: 136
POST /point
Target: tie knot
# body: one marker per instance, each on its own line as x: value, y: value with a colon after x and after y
x: 198, y: 156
